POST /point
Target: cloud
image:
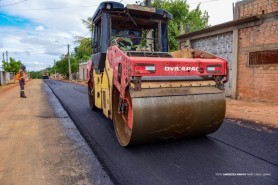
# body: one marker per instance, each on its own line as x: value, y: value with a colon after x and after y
x: 37, y: 63
x: 39, y: 28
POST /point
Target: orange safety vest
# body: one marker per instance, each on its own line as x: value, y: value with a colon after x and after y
x: 21, y: 76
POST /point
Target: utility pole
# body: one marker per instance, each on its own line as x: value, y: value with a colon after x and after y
x: 7, y: 58
x: 150, y: 42
x: 69, y: 62
x: 68, y: 59
x: 148, y: 3
x: 3, y: 57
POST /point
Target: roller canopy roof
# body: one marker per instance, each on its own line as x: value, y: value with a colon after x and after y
x: 133, y: 10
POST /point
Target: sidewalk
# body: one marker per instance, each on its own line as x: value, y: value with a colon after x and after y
x: 261, y: 113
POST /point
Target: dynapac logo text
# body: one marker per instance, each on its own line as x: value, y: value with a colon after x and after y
x: 167, y: 68
x: 118, y: 59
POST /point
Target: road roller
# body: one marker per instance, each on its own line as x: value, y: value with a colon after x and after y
x: 150, y: 93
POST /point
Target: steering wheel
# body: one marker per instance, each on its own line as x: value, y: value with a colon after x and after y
x: 120, y: 41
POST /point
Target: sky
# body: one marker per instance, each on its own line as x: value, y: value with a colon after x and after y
x: 37, y: 32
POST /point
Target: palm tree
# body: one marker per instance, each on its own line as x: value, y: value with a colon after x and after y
x: 89, y: 23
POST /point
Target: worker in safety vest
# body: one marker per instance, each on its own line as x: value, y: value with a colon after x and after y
x: 135, y: 41
x: 129, y: 43
x: 22, y: 81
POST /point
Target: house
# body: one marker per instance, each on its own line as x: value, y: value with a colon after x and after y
x: 83, y: 71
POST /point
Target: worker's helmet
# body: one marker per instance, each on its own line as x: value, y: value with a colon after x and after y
x: 23, y: 67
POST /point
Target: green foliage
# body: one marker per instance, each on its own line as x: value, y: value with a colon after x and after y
x: 39, y: 74
x: 62, y: 66
x: 89, y: 24
x: 74, y: 63
x: 35, y: 74
x: 197, y: 19
x: 84, y: 50
x: 50, y: 71
x: 183, y: 19
x: 12, y: 66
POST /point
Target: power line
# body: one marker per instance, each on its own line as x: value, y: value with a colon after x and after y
x: 200, y: 2
x: 54, y: 8
x: 82, y: 36
x: 37, y: 50
x: 86, y: 34
x: 13, y: 3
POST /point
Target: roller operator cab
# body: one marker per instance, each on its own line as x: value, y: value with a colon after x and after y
x: 148, y: 92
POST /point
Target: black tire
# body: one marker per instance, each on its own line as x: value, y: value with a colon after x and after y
x: 91, y: 99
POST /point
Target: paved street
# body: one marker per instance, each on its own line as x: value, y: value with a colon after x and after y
x: 235, y: 154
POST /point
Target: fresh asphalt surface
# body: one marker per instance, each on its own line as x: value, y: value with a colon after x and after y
x: 233, y: 155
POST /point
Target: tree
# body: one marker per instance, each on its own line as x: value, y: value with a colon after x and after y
x: 89, y: 24
x: 84, y: 50
x: 35, y: 74
x: 197, y: 19
x: 74, y: 63
x: 62, y: 66
x: 12, y: 66
x: 183, y: 19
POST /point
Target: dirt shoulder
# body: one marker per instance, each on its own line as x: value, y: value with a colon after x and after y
x: 8, y: 86
x: 265, y: 114
x: 36, y: 146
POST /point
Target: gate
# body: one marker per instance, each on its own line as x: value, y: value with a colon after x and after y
x: 220, y: 45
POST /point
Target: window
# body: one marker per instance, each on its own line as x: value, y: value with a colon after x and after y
x: 263, y: 57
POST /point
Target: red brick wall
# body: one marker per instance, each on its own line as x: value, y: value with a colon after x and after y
x: 257, y: 7
x: 260, y: 82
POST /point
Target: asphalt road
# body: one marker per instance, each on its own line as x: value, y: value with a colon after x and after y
x: 235, y: 154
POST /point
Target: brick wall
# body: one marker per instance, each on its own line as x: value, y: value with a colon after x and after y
x: 257, y: 7
x: 259, y: 82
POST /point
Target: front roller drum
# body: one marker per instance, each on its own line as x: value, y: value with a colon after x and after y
x: 150, y: 116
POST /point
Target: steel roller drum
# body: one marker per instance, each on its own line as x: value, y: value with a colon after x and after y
x: 170, y: 113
